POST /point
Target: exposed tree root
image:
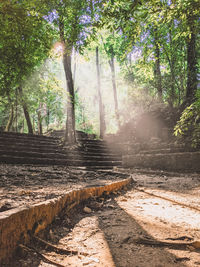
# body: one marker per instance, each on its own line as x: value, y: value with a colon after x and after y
x: 58, y: 249
x: 184, y: 237
x: 180, y: 245
x: 168, y: 199
x: 42, y: 257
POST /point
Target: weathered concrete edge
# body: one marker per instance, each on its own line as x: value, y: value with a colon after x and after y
x: 171, y: 161
x: 16, y: 224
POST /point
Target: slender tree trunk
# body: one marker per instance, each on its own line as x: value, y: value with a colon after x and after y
x: 101, y: 108
x: 26, y: 113
x: 33, y: 123
x: 70, y: 134
x: 112, y: 67
x: 157, y: 72
x: 48, y: 118
x: 191, y: 63
x: 172, y: 68
x: 22, y: 129
x: 10, y: 120
x: 75, y: 63
x: 16, y: 111
x: 39, y: 120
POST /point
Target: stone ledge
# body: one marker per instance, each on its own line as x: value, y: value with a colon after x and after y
x: 172, y: 161
x: 16, y: 224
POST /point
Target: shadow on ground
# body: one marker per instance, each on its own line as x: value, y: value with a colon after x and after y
x: 119, y: 230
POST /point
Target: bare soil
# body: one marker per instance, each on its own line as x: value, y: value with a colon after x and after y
x: 105, y: 232
x: 25, y: 185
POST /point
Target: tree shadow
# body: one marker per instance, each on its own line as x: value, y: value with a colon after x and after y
x: 121, y: 230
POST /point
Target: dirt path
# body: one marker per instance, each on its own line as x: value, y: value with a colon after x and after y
x: 106, y: 235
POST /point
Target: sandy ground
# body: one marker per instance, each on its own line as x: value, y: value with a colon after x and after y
x: 160, y: 206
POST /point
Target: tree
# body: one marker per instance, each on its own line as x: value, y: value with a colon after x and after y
x: 25, y: 42
x: 174, y: 35
x: 71, y: 18
x: 114, y: 47
x: 101, y: 107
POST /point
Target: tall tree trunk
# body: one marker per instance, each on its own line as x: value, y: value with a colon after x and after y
x: 172, y: 69
x: 33, y: 119
x: 26, y: 113
x: 70, y: 133
x: 10, y: 120
x: 16, y: 111
x: 48, y: 118
x: 101, y: 108
x: 39, y: 120
x: 112, y: 67
x: 74, y: 70
x: 157, y: 72
x: 22, y: 129
x: 191, y: 62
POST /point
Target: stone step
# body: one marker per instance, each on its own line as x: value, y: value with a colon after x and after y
x: 54, y: 149
x: 93, y: 168
x: 59, y: 155
x: 34, y: 149
x: 183, y: 161
x: 92, y: 141
x: 32, y: 154
x: 90, y: 154
x: 29, y: 146
x: 93, y: 146
x: 50, y: 161
x: 98, y: 149
x: 31, y: 160
x: 27, y: 136
x: 94, y: 163
x: 13, y: 141
x: 167, y: 150
x: 18, y: 148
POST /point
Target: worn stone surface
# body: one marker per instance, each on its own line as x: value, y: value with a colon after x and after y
x: 169, y: 161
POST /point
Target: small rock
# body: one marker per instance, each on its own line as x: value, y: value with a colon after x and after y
x: 5, y: 206
x: 124, y: 199
x: 87, y: 210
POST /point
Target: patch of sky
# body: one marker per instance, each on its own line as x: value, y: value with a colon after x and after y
x: 52, y: 16
x: 144, y: 36
x: 135, y: 54
x: 84, y: 19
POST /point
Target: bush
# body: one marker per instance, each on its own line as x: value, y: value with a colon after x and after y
x: 187, y: 128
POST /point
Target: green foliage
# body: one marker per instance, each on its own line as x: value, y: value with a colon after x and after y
x: 82, y: 122
x: 187, y: 128
x: 25, y: 40
x: 127, y: 27
x: 43, y: 93
x: 175, y: 22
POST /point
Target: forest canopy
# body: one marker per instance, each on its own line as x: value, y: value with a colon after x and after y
x: 62, y: 62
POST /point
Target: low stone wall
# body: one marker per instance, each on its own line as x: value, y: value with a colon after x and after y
x: 17, y: 224
x: 170, y: 161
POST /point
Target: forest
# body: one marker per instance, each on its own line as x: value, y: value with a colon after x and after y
x: 92, y: 65
x: 100, y: 133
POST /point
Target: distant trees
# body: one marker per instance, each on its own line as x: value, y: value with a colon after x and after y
x: 25, y: 40
x: 166, y: 33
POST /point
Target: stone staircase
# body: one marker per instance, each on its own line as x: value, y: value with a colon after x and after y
x: 161, y: 155
x: 16, y: 148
